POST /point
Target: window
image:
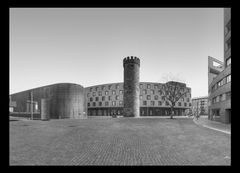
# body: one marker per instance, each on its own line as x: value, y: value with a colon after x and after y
x: 166, y: 103
x: 228, y: 44
x: 106, y: 92
x: 144, y: 91
x: 91, y: 99
x: 113, y: 92
x: 144, y: 102
x: 103, y: 87
x: 121, y: 92
x: 228, y: 27
x: 141, y: 86
x: 185, y: 104
x: 188, y: 99
x: 99, y: 93
x: 228, y: 95
x: 88, y: 94
x: 148, y: 97
x: 120, y: 103
x: 152, y: 91
x: 150, y: 112
x: 152, y: 103
x: 109, y: 87
x: 217, y: 99
x: 88, y: 104
x: 109, y: 98
x: 117, y: 97
x: 141, y: 97
x: 90, y: 89
x: 94, y: 94
x: 96, y: 99
x: 163, y: 98
x: 160, y: 92
x: 220, y: 97
x: 214, y: 100
x: 106, y: 103
x: 100, y: 103
x: 155, y: 97
x: 114, y: 103
x: 222, y: 81
x: 179, y: 104
x: 117, y: 86
x: 103, y: 98
x: 159, y: 103
x: 156, y: 86
x: 228, y: 61
x: 94, y: 104
x: 223, y: 97
x: 190, y: 104
x: 228, y: 78
x: 96, y: 88
x: 148, y: 86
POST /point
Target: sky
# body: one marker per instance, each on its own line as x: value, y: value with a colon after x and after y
x: 87, y: 46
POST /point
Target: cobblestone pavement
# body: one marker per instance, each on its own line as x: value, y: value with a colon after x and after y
x: 117, y: 141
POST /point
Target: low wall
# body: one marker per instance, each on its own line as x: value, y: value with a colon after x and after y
x: 36, y: 116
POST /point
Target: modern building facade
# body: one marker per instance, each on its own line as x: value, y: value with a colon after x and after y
x: 107, y: 99
x: 200, y: 105
x: 66, y: 100
x: 130, y: 98
x: 63, y: 100
x: 219, y: 87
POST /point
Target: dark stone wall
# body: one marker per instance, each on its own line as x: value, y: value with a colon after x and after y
x: 131, y: 87
x: 65, y: 100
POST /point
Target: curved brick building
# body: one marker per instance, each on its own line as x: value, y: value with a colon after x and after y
x: 63, y: 100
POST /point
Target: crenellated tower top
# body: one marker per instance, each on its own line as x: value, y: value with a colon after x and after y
x: 131, y: 59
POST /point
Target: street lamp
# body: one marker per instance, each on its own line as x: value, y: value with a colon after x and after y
x: 31, y: 105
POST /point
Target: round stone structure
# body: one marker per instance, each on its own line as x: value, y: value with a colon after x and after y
x: 131, y: 107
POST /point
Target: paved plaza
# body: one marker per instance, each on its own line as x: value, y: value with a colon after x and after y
x: 117, y: 141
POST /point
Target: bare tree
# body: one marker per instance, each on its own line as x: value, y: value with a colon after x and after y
x: 173, y: 91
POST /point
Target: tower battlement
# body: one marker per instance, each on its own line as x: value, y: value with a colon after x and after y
x: 131, y: 59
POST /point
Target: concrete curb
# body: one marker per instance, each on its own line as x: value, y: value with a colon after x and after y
x: 223, y: 131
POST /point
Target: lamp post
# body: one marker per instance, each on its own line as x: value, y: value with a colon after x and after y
x: 31, y: 105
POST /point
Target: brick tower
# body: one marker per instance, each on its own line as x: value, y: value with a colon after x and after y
x: 131, y: 100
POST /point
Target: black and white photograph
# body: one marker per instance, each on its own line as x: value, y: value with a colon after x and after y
x: 120, y: 86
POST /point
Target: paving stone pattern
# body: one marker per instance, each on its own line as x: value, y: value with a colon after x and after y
x: 116, y: 141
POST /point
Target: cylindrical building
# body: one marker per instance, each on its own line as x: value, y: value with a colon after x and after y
x: 131, y: 92
x: 62, y: 100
